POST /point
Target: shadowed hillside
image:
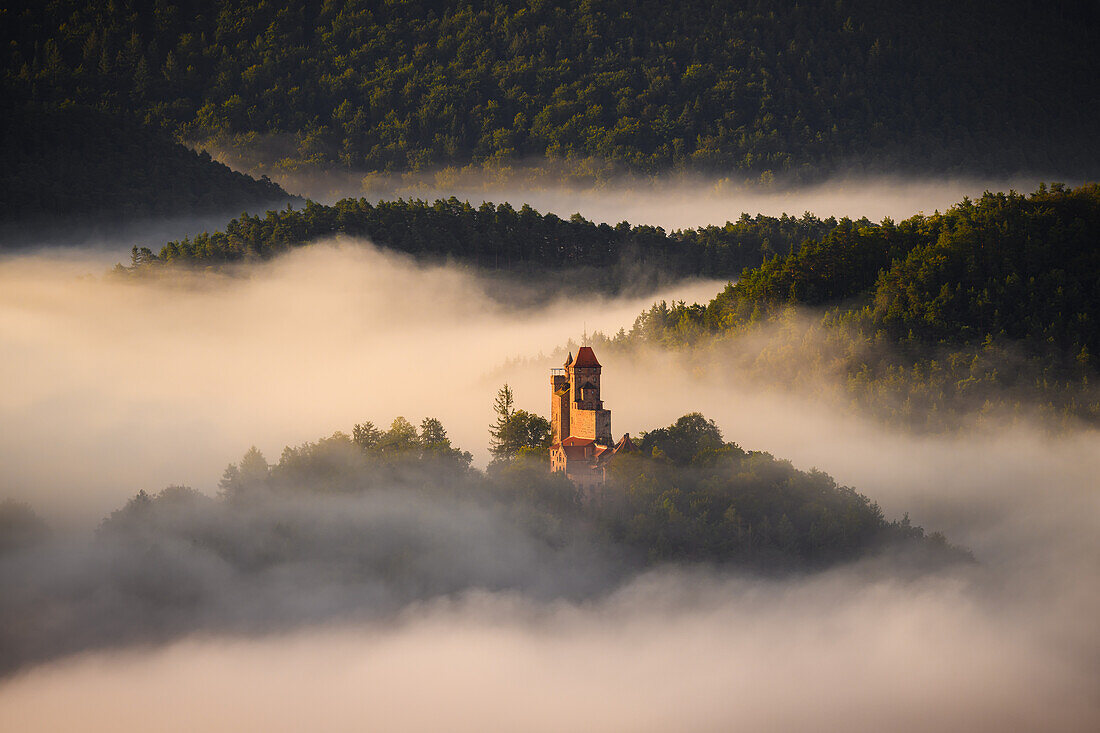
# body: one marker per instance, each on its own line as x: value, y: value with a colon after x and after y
x: 772, y: 89
x: 100, y: 167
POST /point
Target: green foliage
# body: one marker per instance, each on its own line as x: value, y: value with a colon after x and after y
x: 687, y: 495
x: 341, y: 463
x: 1009, y: 266
x: 680, y: 442
x: 993, y: 300
x: 499, y: 237
x: 765, y: 88
x: 516, y: 431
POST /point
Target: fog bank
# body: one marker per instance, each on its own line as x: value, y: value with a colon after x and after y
x: 114, y: 386
x: 670, y: 652
x: 144, y: 384
x: 168, y: 380
x: 670, y: 202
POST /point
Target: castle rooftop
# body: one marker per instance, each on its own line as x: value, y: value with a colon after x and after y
x: 586, y: 357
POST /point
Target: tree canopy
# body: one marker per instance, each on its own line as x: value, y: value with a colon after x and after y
x: 500, y: 237
x: 994, y: 298
x: 690, y: 495
x: 341, y: 463
x: 515, y: 431
x: 763, y: 88
x: 686, y: 495
x: 100, y: 167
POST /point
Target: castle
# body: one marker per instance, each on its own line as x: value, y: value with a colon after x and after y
x: 581, y: 444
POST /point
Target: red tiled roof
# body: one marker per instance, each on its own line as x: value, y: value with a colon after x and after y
x: 577, y: 448
x: 574, y: 452
x: 625, y: 444
x: 586, y: 357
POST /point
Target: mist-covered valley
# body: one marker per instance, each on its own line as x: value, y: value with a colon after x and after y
x: 359, y: 608
x: 596, y: 366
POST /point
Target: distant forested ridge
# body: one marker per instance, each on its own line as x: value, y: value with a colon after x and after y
x: 99, y: 166
x: 992, y: 298
x: 499, y: 237
x: 994, y: 303
x: 762, y: 88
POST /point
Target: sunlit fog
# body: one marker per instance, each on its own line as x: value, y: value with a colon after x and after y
x: 670, y: 202
x: 115, y: 385
x: 637, y: 367
x: 164, y: 382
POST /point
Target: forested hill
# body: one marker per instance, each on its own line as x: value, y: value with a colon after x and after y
x: 364, y: 521
x: 764, y: 88
x: 500, y: 237
x: 993, y: 299
x: 95, y: 165
x: 1020, y: 267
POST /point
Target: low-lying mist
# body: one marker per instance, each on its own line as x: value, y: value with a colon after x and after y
x: 677, y: 203
x: 673, y: 650
x: 113, y: 385
x: 164, y: 381
x: 670, y: 201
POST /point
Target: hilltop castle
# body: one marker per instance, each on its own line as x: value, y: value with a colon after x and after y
x: 580, y: 427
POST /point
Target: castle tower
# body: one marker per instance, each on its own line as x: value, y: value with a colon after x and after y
x: 587, y: 418
x: 580, y: 426
x: 559, y: 402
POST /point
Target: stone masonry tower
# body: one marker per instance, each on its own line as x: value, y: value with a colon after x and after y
x: 576, y: 410
x: 587, y: 419
x: 581, y: 443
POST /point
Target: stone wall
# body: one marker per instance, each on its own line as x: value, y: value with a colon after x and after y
x: 559, y: 408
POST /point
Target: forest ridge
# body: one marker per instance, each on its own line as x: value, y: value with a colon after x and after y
x: 935, y: 314
x: 500, y: 237
x: 767, y: 89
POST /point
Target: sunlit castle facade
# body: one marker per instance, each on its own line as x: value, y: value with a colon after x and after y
x: 580, y: 427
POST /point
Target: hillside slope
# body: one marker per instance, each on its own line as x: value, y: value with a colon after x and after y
x: 993, y: 302
x: 99, y: 167
x: 500, y: 237
x: 793, y: 89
